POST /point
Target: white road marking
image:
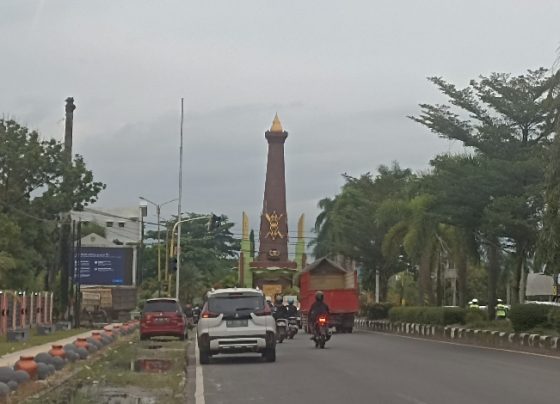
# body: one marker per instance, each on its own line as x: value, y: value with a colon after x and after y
x: 199, y: 389
x: 465, y: 345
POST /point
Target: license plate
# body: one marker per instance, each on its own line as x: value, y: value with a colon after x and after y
x: 161, y: 320
x: 237, y: 323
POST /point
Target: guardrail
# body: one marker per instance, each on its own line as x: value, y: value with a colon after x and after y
x: 21, y: 310
x: 499, y: 339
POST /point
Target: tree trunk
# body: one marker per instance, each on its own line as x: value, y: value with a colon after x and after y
x: 425, y: 277
x: 517, y: 277
x: 462, y: 264
x: 493, y: 272
x: 522, y: 278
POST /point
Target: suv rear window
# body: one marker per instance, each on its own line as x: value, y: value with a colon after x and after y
x: 161, y: 306
x: 230, y: 305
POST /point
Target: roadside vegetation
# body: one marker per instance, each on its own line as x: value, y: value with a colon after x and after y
x: 485, y: 216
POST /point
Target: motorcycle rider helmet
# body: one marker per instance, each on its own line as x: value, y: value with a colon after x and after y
x: 290, y: 300
x: 319, y: 296
x: 500, y: 301
x: 279, y: 299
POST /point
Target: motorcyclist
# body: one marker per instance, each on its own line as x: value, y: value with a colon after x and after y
x: 279, y: 310
x: 501, y: 310
x: 291, y: 309
x: 196, y: 313
x: 317, y: 308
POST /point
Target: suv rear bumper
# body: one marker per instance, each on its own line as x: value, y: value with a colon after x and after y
x: 249, y: 343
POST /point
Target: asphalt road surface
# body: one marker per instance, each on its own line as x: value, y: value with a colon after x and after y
x: 377, y: 368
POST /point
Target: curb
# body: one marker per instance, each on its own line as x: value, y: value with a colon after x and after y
x: 487, y: 338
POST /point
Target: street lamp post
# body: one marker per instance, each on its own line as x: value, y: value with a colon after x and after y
x: 178, y: 252
x: 158, y: 211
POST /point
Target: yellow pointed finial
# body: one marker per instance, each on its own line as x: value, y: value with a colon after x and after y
x: 276, y: 125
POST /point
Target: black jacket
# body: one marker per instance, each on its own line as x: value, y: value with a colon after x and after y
x: 316, y: 310
x: 279, y: 311
x: 291, y: 310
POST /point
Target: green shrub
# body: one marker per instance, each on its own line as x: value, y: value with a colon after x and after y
x: 476, y: 316
x: 428, y: 315
x: 554, y: 319
x: 376, y: 311
x: 527, y: 316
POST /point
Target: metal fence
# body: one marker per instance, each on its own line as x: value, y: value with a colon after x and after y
x: 24, y: 310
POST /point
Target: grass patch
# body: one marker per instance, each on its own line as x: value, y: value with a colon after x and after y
x: 34, y: 340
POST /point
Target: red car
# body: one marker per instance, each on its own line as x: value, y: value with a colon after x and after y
x: 163, y: 317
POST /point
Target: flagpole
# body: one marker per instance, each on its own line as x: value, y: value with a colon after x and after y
x: 179, y: 214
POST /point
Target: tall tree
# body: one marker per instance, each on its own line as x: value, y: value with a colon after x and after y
x: 32, y: 195
x: 507, y: 120
x: 549, y: 238
x: 348, y: 226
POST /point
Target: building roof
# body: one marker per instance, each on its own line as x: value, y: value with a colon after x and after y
x: 321, y: 263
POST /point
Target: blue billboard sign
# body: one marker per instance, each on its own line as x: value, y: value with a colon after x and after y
x: 100, y: 266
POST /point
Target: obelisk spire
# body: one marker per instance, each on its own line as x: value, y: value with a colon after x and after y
x: 276, y: 124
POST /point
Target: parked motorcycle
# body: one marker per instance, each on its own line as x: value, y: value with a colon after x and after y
x: 281, y: 329
x: 292, y: 327
x: 322, y: 332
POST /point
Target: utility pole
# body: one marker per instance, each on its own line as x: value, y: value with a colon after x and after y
x: 65, y: 229
x: 77, y: 275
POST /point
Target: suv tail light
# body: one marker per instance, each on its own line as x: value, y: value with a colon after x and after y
x: 208, y: 314
x: 264, y: 311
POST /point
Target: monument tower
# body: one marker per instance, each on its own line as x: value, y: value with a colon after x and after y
x: 273, y: 235
x: 271, y: 267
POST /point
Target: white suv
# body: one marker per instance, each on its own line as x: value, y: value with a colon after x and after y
x: 236, y: 320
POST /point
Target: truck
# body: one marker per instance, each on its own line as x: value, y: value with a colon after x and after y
x: 101, y: 304
x: 340, y: 289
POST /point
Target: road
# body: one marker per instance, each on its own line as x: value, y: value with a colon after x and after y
x: 378, y: 368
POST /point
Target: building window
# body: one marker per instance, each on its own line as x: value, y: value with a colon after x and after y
x: 121, y: 224
x: 109, y: 224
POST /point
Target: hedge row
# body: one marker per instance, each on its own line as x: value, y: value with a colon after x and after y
x: 528, y: 316
x: 376, y: 311
x: 428, y: 315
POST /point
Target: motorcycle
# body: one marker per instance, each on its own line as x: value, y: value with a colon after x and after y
x: 322, y: 332
x: 281, y: 329
x: 292, y: 327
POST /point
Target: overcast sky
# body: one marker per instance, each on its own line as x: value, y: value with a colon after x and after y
x: 342, y: 76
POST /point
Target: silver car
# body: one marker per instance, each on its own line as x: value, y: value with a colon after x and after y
x: 236, y: 320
